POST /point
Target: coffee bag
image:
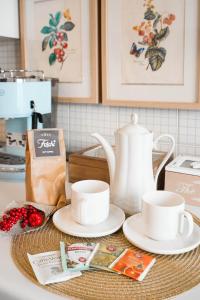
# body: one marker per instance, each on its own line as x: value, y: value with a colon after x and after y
x: 46, y: 167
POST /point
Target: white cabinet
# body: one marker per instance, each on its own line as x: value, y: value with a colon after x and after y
x: 9, y: 18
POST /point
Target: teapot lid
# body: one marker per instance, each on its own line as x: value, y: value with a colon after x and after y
x: 133, y: 126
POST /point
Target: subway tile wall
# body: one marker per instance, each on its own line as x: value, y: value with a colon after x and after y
x: 9, y: 53
x: 80, y: 120
x: 9, y: 59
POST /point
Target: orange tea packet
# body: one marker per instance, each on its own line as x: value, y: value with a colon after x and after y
x: 133, y: 264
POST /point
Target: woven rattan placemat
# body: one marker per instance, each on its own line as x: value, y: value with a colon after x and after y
x: 170, y: 276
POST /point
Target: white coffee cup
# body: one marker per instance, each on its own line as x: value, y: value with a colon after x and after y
x: 164, y: 216
x: 90, y: 201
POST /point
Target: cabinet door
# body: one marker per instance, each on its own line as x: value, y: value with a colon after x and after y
x: 9, y: 18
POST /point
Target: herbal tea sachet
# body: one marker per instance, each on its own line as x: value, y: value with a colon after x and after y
x: 76, y: 257
x: 103, y: 255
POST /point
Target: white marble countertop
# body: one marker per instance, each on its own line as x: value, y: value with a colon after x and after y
x: 14, y: 285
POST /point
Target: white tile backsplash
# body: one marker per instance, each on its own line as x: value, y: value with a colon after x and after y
x: 9, y: 53
x: 9, y: 59
x: 2, y: 131
x: 85, y: 119
x: 80, y: 120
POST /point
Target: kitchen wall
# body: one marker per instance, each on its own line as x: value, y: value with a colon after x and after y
x: 79, y: 121
x: 9, y: 53
x: 9, y: 59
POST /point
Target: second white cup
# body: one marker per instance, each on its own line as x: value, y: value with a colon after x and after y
x: 90, y: 201
x: 164, y: 216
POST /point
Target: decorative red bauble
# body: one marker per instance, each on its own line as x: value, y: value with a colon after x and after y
x: 35, y: 219
x: 27, y: 216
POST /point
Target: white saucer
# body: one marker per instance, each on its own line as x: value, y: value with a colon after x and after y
x: 133, y: 231
x: 62, y: 219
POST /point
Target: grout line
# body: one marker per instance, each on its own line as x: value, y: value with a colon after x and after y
x: 182, y: 144
x: 192, y: 146
x: 68, y: 127
x: 177, y: 132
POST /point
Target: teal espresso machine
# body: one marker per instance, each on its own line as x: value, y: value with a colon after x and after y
x: 25, y: 103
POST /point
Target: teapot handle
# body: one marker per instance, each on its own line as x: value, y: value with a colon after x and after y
x: 167, y: 155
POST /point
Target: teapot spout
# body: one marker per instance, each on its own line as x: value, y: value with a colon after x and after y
x: 109, y: 154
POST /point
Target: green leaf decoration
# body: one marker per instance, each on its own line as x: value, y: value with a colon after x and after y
x: 155, y: 51
x: 47, y: 30
x: 67, y: 26
x: 156, y: 21
x: 156, y: 62
x: 53, y: 22
x: 162, y: 34
x: 65, y: 36
x: 57, y: 17
x: 149, y: 15
x: 52, y: 59
x: 156, y: 57
x: 45, y: 42
x: 51, y: 42
x: 52, y: 39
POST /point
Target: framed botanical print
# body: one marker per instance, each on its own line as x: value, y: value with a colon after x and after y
x: 61, y: 39
x: 150, y: 53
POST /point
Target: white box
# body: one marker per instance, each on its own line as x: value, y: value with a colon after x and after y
x: 182, y: 176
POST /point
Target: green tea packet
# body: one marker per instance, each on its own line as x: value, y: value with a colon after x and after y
x: 76, y: 257
x: 103, y: 255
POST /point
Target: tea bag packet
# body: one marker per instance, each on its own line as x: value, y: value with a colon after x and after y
x: 104, y: 255
x: 48, y: 269
x: 133, y: 264
x: 76, y: 256
x: 46, y: 167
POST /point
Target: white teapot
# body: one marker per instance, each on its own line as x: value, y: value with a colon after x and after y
x: 130, y: 165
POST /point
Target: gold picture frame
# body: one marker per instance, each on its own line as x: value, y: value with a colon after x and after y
x: 87, y: 90
x: 114, y: 92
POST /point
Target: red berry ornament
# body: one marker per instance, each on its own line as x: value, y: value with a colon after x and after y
x: 141, y: 32
x: 62, y: 53
x: 57, y: 51
x: 28, y: 216
x: 60, y: 59
x: 35, y: 219
x: 60, y: 39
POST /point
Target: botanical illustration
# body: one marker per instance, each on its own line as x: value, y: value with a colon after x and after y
x: 152, y: 35
x: 56, y: 36
x: 152, y: 31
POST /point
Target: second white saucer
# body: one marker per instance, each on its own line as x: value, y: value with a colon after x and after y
x: 134, y: 232
x: 63, y: 221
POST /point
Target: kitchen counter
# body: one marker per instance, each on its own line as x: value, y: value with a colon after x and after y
x: 13, y: 285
